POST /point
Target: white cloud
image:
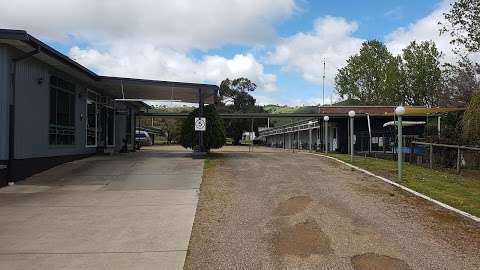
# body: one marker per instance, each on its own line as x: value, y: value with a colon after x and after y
x: 425, y: 29
x: 331, y: 39
x: 149, y: 62
x: 152, y: 39
x: 179, y: 24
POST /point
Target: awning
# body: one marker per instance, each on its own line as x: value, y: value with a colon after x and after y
x: 404, y: 123
x: 125, y: 89
x: 151, y: 90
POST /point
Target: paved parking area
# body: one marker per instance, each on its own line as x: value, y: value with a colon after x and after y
x: 128, y: 211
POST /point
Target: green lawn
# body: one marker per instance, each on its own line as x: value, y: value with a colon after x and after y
x: 462, y: 192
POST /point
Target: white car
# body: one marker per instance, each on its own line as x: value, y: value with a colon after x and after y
x: 142, y: 138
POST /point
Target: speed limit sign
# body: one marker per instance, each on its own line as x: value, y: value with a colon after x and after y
x: 200, y: 123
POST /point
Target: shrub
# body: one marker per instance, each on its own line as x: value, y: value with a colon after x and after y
x: 214, y: 136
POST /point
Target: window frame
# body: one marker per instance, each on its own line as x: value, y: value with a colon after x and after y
x: 55, y: 88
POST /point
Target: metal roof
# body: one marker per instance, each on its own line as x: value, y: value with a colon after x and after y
x: 118, y: 87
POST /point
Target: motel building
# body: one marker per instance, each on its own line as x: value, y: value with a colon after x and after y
x: 374, y: 129
x: 54, y: 110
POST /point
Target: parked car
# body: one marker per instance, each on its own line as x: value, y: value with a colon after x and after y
x: 142, y: 139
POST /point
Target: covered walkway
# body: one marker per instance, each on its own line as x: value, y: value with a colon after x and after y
x: 128, y: 211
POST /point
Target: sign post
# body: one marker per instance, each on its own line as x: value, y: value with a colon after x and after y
x: 200, y: 124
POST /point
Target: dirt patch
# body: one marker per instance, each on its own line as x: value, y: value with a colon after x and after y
x: 372, y: 261
x: 292, y: 206
x: 303, y: 240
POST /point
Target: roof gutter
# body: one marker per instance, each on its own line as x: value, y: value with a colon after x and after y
x: 11, y: 129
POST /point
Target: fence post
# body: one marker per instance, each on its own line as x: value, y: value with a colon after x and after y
x: 458, y: 159
x: 431, y: 156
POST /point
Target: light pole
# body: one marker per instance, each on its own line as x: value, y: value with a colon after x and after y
x: 400, y: 111
x: 351, y: 114
x: 325, y: 119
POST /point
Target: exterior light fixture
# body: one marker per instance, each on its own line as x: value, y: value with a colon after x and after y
x: 326, y: 118
x: 400, y: 111
x: 351, y: 114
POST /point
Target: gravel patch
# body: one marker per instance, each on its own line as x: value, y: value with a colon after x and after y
x: 278, y: 210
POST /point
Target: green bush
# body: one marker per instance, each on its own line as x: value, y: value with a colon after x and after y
x: 214, y: 136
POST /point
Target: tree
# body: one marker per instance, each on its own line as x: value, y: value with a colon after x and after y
x: 235, y: 97
x: 214, y: 136
x: 464, y: 24
x: 236, y: 91
x: 471, y: 120
x: 370, y: 76
x: 459, y: 82
x: 423, y: 76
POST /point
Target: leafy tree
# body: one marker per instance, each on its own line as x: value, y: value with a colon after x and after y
x: 214, y: 136
x: 459, y: 82
x: 235, y: 97
x: 171, y: 127
x: 423, y: 76
x: 471, y: 120
x: 464, y: 24
x: 369, y: 76
x: 237, y: 91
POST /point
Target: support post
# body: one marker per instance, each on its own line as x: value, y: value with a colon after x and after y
x: 298, y: 140
x: 399, y: 150
x: 325, y: 119
x: 458, y: 159
x: 251, y: 135
x: 400, y: 111
x: 439, y: 119
x: 310, y: 139
x: 351, y: 115
x: 352, y: 150
x: 431, y: 156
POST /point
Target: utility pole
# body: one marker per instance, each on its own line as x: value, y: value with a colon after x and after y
x: 323, y: 84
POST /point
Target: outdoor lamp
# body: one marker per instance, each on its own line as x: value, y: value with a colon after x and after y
x: 351, y: 114
x: 326, y: 118
x: 400, y: 110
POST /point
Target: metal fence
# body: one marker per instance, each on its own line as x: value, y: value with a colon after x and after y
x: 445, y: 155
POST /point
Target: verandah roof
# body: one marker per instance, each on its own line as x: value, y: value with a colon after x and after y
x: 117, y: 87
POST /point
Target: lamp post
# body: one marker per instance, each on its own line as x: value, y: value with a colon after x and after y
x: 351, y: 114
x: 325, y: 119
x: 400, y: 111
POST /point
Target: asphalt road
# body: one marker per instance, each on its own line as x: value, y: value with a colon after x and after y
x: 277, y: 210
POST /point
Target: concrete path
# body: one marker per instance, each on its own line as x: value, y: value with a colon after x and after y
x: 279, y: 210
x: 129, y: 211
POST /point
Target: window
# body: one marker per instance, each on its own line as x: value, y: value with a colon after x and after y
x: 62, y: 112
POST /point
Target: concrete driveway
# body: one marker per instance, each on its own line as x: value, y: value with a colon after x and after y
x: 128, y: 211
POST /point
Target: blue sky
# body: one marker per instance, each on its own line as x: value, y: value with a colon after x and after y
x: 279, y: 44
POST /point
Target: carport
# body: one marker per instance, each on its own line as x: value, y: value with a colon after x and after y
x: 134, y: 90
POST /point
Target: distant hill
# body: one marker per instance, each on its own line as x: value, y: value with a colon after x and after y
x: 275, y: 122
x: 288, y: 109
